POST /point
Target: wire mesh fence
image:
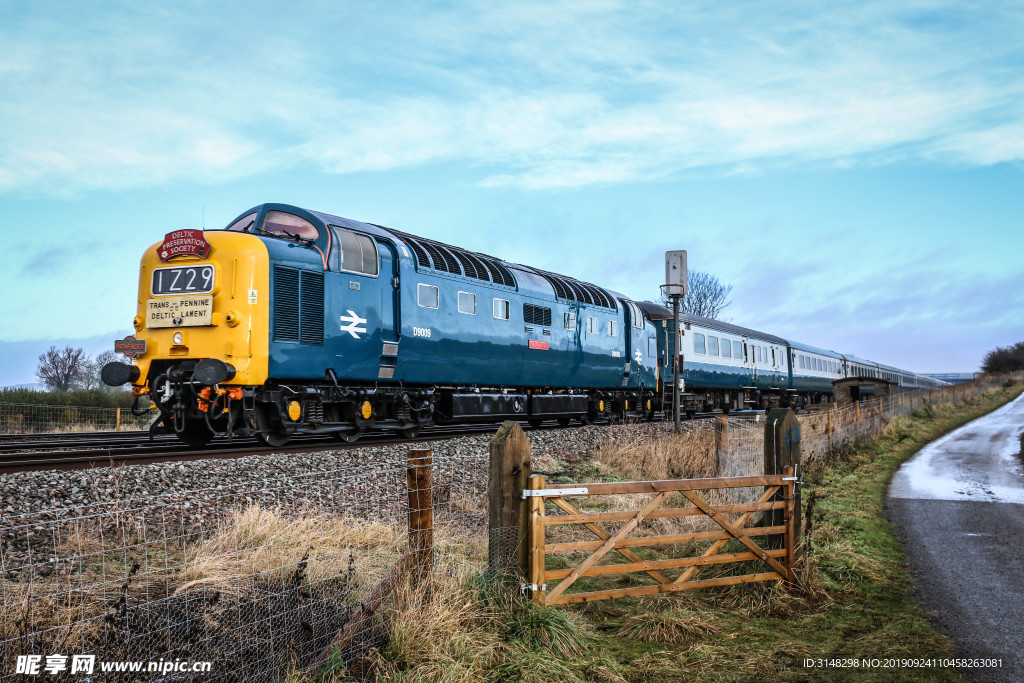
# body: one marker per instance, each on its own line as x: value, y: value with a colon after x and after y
x: 256, y: 578
x: 20, y: 418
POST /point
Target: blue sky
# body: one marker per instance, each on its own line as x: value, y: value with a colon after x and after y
x: 853, y: 169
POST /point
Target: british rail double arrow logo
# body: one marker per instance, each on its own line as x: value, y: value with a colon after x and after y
x: 355, y: 325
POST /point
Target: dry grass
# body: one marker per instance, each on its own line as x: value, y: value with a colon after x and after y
x: 688, y: 455
x: 260, y: 542
x: 669, y: 627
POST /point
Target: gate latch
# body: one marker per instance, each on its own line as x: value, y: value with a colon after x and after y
x: 554, y: 493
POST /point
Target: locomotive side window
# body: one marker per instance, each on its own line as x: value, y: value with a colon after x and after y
x: 613, y: 328
x: 243, y: 223
x: 467, y: 303
x: 737, y: 350
x: 358, y: 252
x: 426, y: 296
x: 698, y: 343
x: 501, y: 309
x: 569, y: 321
x: 712, y: 346
x: 536, y: 315
x: 592, y: 327
x: 288, y: 225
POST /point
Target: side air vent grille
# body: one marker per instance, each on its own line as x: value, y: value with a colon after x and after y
x: 312, y: 307
x: 455, y: 260
x: 577, y: 290
x: 536, y: 315
x: 286, y: 304
x: 298, y: 306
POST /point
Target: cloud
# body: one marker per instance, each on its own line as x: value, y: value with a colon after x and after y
x: 544, y: 95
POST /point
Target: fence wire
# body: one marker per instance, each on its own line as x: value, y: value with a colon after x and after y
x: 22, y: 418
x: 256, y: 578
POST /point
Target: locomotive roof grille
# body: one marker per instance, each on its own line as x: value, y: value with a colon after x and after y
x: 451, y: 259
x: 577, y: 290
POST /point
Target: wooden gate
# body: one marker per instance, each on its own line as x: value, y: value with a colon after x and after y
x: 779, y: 494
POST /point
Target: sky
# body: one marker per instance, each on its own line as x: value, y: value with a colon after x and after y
x: 853, y: 169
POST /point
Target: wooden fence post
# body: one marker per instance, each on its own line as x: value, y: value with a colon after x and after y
x: 722, y: 445
x: 417, y: 561
x: 535, y: 575
x: 421, y: 512
x: 792, y: 513
x: 507, y: 519
x: 781, y: 450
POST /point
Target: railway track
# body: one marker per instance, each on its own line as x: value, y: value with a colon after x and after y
x: 82, y: 450
x: 19, y: 453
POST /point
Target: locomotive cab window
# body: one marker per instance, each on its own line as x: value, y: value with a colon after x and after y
x: 243, y: 223
x: 426, y: 296
x: 501, y: 309
x: 467, y: 303
x: 288, y: 225
x: 698, y: 343
x: 358, y: 252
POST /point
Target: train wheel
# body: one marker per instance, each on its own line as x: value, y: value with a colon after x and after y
x: 348, y: 435
x: 196, y: 434
x: 274, y: 439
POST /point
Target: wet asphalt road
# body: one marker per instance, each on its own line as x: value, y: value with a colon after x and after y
x: 958, y: 508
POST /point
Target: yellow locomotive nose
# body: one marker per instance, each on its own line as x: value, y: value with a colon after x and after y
x: 211, y: 307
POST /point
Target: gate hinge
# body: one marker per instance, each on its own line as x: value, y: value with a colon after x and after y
x: 543, y: 493
x: 523, y: 587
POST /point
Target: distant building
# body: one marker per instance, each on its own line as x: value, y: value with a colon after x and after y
x: 953, y: 377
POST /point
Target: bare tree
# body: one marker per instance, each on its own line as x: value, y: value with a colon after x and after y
x: 92, y: 379
x: 64, y: 369
x: 706, y: 297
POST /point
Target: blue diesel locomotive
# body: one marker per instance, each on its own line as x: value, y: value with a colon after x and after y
x: 294, y: 321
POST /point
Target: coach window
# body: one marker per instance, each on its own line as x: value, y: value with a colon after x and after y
x: 467, y: 303
x: 501, y: 309
x: 726, y: 349
x: 288, y: 225
x: 758, y: 353
x: 712, y: 346
x: 358, y: 252
x: 569, y: 321
x: 737, y: 350
x: 243, y: 223
x: 698, y: 343
x: 426, y: 296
